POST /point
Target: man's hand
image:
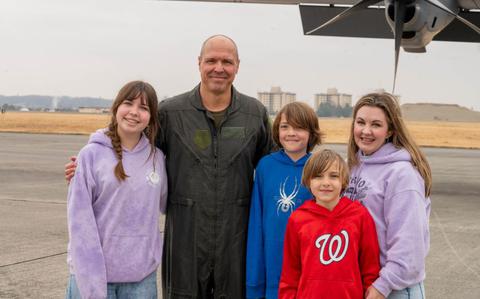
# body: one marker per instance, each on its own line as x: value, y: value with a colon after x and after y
x: 372, y: 293
x: 70, y: 169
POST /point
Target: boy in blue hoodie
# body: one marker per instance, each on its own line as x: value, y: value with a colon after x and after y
x: 277, y: 192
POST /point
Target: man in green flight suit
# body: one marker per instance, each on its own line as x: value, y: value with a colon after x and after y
x: 212, y: 136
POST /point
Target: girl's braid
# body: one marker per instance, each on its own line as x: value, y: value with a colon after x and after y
x: 117, y: 147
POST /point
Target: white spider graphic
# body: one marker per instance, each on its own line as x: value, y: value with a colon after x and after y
x: 286, y: 203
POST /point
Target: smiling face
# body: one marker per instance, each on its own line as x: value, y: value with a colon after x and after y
x: 132, y: 117
x: 327, y: 186
x: 370, y: 129
x: 293, y: 140
x: 218, y: 64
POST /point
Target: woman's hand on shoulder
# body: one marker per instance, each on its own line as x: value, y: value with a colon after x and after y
x: 373, y: 293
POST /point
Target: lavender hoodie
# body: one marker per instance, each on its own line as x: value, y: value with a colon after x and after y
x: 394, y: 192
x: 113, y: 226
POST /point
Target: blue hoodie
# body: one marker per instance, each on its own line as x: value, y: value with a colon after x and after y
x: 394, y: 193
x: 277, y: 192
x: 113, y: 226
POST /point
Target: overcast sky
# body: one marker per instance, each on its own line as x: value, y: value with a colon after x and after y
x: 91, y: 48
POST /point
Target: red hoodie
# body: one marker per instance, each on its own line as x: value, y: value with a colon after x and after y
x: 329, y: 254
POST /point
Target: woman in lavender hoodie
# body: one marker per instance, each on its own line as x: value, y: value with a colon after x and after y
x: 114, y: 203
x: 391, y: 177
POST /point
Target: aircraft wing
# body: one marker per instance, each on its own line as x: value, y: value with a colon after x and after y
x: 371, y: 22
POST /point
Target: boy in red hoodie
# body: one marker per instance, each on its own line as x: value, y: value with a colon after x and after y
x: 331, y: 248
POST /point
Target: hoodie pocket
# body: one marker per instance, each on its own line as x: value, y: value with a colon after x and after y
x: 127, y: 257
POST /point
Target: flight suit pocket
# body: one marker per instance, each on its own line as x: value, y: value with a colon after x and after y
x: 181, y: 244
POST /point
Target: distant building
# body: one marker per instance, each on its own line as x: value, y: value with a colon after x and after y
x: 275, y: 99
x: 93, y: 110
x: 333, y: 97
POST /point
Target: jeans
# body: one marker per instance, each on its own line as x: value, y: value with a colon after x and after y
x: 145, y: 289
x: 416, y: 291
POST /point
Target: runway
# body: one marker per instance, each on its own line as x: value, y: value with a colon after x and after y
x: 33, y: 230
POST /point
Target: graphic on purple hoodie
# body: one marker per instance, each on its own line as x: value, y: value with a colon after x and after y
x: 394, y: 193
x: 113, y: 225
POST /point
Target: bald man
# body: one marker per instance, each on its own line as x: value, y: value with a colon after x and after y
x: 212, y: 136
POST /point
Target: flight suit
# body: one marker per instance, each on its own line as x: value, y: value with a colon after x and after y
x: 210, y: 177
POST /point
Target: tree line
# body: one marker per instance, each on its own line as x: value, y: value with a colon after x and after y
x: 327, y: 109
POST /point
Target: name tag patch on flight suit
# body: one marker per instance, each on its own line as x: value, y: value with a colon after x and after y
x: 233, y: 132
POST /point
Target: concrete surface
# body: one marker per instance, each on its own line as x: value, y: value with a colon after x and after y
x: 33, y: 232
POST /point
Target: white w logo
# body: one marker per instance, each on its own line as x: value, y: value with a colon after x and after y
x: 324, y: 241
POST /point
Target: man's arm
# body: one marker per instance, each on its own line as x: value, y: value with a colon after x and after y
x: 160, y: 139
x: 70, y: 169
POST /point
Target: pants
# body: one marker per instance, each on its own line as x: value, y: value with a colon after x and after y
x: 145, y: 289
x: 416, y: 291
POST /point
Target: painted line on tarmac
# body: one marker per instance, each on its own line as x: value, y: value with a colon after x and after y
x: 32, y: 260
x: 35, y: 201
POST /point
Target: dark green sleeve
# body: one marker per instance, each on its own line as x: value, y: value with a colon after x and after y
x: 265, y: 144
x: 160, y: 141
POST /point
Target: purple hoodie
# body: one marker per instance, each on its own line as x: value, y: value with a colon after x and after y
x: 394, y: 192
x: 113, y: 226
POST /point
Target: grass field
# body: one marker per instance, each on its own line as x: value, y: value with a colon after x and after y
x: 439, y: 134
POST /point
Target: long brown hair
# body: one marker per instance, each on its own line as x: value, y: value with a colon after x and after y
x: 131, y: 91
x: 400, y: 137
x: 299, y: 115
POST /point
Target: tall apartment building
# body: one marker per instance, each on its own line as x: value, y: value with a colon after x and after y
x: 275, y: 99
x: 333, y: 97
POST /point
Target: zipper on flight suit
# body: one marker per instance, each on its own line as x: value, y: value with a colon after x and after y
x: 214, y: 132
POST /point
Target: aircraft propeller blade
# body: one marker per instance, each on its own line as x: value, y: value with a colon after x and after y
x: 440, y: 5
x: 400, y: 8
x: 362, y: 4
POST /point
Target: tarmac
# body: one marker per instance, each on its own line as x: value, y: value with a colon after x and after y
x: 33, y: 229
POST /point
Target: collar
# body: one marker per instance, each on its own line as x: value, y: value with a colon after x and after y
x: 196, y: 100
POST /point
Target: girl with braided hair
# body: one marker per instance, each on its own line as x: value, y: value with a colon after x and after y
x: 114, y: 203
